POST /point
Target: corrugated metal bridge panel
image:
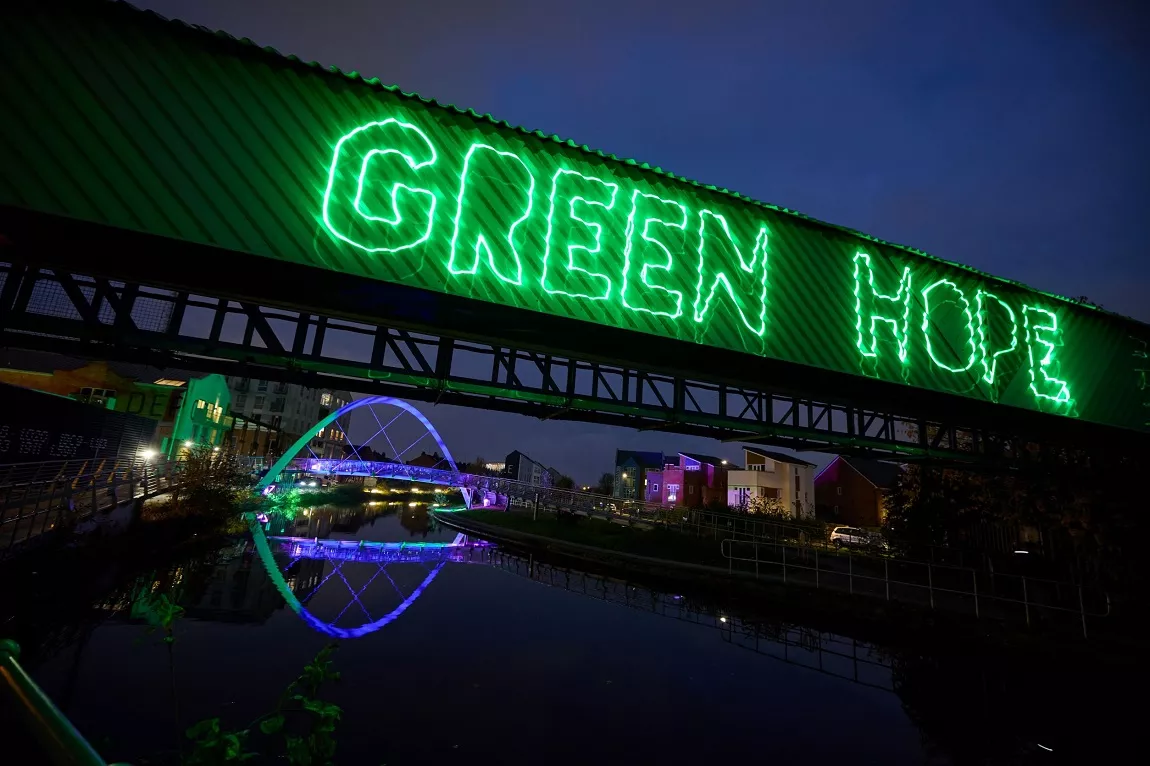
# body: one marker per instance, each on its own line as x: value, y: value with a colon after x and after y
x: 120, y: 117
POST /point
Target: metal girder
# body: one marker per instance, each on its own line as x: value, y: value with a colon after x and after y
x: 83, y: 315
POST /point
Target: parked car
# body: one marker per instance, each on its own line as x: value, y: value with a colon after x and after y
x: 853, y: 537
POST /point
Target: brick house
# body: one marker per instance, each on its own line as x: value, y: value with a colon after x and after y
x: 851, y: 490
x: 687, y: 478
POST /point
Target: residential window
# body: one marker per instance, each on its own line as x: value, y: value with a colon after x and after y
x: 278, y: 404
x: 838, y: 490
x: 690, y: 489
x: 241, y: 401
x: 262, y: 385
x: 836, y: 510
x: 654, y: 487
x: 259, y: 404
x: 325, y: 399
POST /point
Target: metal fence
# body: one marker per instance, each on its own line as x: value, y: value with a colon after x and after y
x: 983, y: 594
x: 38, y: 499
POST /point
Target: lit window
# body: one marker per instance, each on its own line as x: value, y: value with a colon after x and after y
x: 169, y: 382
x: 838, y: 490
x: 325, y: 399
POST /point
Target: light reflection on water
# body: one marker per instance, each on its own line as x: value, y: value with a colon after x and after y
x: 516, y: 659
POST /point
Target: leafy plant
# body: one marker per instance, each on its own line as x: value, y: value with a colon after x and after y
x: 301, y: 725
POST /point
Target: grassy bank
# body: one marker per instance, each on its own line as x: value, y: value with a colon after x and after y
x: 654, y: 543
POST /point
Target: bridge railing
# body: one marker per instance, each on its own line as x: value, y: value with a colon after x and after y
x: 59, y: 741
x: 1001, y: 597
x: 37, y: 499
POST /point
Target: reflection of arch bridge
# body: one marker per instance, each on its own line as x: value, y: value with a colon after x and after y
x: 816, y: 650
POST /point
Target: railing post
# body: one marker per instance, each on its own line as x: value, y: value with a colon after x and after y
x: 974, y: 577
x: 784, y: 565
x: 930, y: 584
x: 886, y: 576
x: 55, y: 733
x: 535, y: 513
x: 851, y: 571
x: 757, y: 560
x: 816, y: 567
x: 95, y: 498
x: 1026, y: 602
x: 1082, y: 611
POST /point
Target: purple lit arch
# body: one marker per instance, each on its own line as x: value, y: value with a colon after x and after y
x: 301, y: 443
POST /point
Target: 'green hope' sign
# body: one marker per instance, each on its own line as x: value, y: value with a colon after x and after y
x: 574, y: 234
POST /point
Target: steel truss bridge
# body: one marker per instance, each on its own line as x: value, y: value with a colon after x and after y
x: 211, y: 324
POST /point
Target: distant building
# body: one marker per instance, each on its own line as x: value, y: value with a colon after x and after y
x: 434, y: 460
x: 687, y: 478
x: 773, y: 475
x: 852, y: 490
x: 519, y: 467
x: 270, y: 417
x: 631, y: 468
x: 186, y: 407
x: 329, y: 441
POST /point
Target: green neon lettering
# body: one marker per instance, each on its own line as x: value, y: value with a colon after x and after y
x: 990, y: 359
x: 665, y: 301
x: 928, y: 326
x: 896, y: 307
x: 723, y: 265
x: 575, y: 281
x: 344, y: 213
x: 478, y: 229
x: 1040, y: 342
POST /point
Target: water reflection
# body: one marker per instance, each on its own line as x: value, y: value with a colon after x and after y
x: 581, y: 666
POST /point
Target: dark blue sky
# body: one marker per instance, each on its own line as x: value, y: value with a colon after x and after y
x: 1010, y: 135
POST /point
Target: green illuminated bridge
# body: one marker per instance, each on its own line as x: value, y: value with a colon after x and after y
x: 271, y: 218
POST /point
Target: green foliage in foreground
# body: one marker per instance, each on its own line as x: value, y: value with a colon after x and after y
x: 301, y: 727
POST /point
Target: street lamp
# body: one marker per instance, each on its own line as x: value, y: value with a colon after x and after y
x: 147, y: 454
x: 624, y: 475
x: 189, y: 444
x: 724, y: 462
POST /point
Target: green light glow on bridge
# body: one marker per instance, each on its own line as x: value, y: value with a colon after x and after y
x: 390, y: 191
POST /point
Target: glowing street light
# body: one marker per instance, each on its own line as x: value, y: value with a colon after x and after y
x: 189, y: 444
x: 147, y: 454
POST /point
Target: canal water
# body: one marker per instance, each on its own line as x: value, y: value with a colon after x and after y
x: 505, y: 657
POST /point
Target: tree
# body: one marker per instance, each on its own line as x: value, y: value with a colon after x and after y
x: 606, y: 484
x: 211, y: 483
x: 760, y: 505
x: 565, y: 482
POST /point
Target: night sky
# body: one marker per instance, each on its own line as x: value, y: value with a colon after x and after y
x: 1010, y: 136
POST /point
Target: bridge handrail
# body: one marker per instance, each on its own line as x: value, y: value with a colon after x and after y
x: 58, y: 738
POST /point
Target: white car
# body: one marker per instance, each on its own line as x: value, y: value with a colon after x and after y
x: 853, y: 537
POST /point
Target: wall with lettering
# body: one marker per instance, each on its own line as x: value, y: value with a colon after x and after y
x: 35, y: 426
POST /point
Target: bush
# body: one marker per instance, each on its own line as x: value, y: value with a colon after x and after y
x: 211, y: 485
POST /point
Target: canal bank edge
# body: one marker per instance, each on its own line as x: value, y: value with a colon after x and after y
x: 883, y: 621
